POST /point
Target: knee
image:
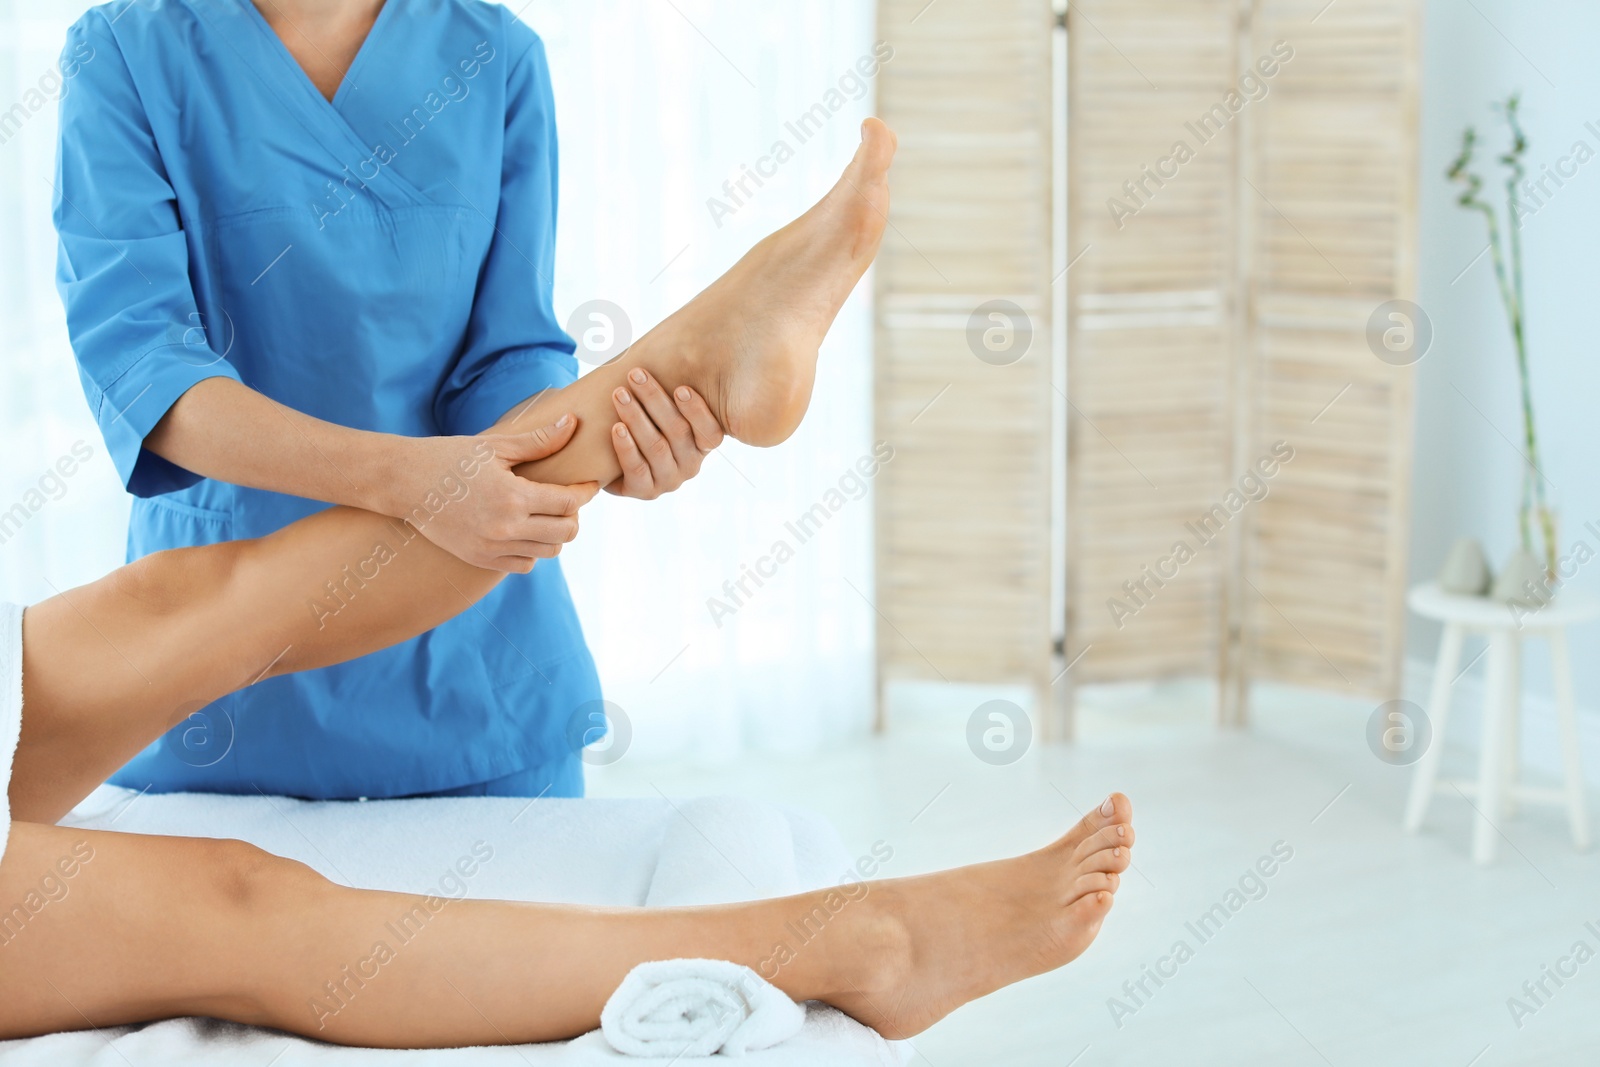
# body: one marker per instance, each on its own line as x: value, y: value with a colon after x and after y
x: 242, y: 878
x: 236, y: 889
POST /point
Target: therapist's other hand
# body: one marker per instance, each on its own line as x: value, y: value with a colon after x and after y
x: 466, y: 499
x: 661, y: 440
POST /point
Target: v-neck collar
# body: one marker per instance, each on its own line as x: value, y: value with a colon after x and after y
x: 254, y: 39
x: 346, y: 83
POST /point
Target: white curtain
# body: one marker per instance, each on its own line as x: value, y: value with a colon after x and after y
x: 71, y: 528
x: 660, y: 103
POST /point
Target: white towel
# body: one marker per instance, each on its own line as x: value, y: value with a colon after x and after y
x: 10, y: 708
x: 675, y: 1009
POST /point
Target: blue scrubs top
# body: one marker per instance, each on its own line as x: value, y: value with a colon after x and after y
x: 382, y: 261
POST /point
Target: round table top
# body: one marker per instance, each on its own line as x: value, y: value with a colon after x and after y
x: 1565, y: 609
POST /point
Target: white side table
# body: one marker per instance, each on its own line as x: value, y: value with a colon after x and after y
x: 1497, y: 789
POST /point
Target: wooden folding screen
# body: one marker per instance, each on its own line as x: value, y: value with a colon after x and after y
x: 1243, y: 172
x: 1335, y: 171
x: 1240, y: 202
x: 963, y: 522
x: 1153, y: 333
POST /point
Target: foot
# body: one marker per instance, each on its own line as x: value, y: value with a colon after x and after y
x: 928, y: 945
x: 750, y: 339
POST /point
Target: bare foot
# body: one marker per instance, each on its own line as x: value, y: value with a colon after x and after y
x: 747, y: 344
x: 933, y: 943
x: 750, y: 339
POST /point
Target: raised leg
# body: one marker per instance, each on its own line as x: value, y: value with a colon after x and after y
x: 134, y: 928
x: 1571, y: 750
x: 1427, y: 773
x: 1502, y: 673
x: 111, y: 666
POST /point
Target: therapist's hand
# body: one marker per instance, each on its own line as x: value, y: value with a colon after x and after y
x: 464, y: 497
x: 661, y: 440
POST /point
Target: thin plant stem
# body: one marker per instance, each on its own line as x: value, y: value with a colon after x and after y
x: 1508, y: 276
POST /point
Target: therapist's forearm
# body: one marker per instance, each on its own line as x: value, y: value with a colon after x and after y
x: 224, y: 430
x: 495, y: 520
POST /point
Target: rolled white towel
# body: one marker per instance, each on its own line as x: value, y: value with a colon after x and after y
x: 681, y: 1008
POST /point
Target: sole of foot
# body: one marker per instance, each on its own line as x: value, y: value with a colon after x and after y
x: 752, y: 336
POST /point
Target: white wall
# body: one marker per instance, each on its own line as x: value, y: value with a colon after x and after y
x: 1467, y: 473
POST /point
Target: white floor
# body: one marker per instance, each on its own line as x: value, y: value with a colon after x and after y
x: 1367, y: 947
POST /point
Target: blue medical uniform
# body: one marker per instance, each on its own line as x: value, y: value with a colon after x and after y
x: 383, y: 261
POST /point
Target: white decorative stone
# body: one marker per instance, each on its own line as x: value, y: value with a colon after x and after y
x: 1466, y: 570
x: 1522, y: 581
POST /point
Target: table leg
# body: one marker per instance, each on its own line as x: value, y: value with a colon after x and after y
x: 1571, y: 754
x: 1438, y: 710
x: 1492, y: 756
x: 1512, y: 767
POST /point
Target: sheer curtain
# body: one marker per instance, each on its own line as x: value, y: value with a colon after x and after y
x: 69, y: 528
x: 660, y: 103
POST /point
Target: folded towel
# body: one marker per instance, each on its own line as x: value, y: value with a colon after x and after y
x: 10, y: 707
x: 674, y: 1009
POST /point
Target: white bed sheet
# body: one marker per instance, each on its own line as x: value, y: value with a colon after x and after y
x: 612, y: 852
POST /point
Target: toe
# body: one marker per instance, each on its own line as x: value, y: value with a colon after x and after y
x: 1110, y: 835
x: 1077, y: 925
x: 878, y: 144
x: 1087, y: 913
x: 1112, y: 860
x: 1094, y: 882
x: 868, y: 172
x: 1115, y: 810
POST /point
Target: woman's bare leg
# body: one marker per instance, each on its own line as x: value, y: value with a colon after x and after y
x: 111, y: 666
x: 147, y: 928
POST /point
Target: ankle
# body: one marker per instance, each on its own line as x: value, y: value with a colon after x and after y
x: 876, y: 946
x: 676, y: 353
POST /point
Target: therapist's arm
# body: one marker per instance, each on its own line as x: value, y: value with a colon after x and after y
x: 173, y: 410
x: 225, y: 430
